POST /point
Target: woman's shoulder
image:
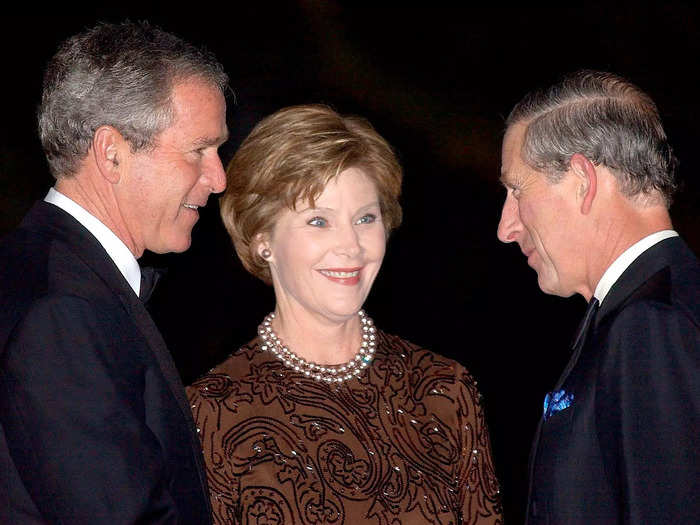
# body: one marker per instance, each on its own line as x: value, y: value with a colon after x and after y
x: 418, y: 359
x: 441, y: 385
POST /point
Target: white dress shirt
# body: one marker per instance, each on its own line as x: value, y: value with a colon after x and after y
x: 115, y: 248
x: 617, y: 268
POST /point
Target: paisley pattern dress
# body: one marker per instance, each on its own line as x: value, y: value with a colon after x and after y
x: 403, y: 443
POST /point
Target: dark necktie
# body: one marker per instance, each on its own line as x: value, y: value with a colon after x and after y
x: 580, y: 338
x: 586, y: 322
x: 149, y: 278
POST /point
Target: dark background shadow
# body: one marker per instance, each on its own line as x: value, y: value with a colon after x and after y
x: 437, y: 83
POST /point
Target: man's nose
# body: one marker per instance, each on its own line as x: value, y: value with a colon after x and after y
x: 509, y: 226
x: 215, y: 174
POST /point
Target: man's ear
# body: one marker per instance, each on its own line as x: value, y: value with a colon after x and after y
x: 108, y: 147
x: 587, y: 185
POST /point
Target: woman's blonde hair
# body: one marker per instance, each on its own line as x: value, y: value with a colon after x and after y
x: 291, y: 156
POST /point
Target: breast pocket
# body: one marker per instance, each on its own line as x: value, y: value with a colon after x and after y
x: 558, y: 427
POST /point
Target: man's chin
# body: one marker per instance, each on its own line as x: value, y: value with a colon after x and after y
x: 183, y: 247
x: 554, y: 288
x: 548, y: 285
x: 174, y: 246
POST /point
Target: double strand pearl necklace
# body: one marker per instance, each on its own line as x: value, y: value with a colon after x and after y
x: 326, y: 373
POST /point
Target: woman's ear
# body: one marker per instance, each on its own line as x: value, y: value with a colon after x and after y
x: 262, y: 246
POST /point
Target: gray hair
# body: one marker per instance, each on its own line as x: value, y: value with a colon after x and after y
x: 121, y: 75
x: 605, y: 118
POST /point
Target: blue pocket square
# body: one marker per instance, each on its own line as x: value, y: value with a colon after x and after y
x: 556, y: 401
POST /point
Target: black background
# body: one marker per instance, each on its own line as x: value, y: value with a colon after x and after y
x: 437, y: 83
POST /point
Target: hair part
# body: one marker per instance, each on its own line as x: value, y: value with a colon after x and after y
x: 290, y: 157
x: 607, y: 119
x: 119, y: 75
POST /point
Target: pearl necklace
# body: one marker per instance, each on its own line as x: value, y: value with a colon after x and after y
x: 327, y: 373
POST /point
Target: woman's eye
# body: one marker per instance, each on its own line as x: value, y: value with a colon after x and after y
x: 367, y: 219
x: 318, y: 221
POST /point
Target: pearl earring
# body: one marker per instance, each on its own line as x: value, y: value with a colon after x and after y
x: 266, y: 253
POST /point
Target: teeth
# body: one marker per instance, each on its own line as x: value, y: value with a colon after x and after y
x: 191, y: 206
x: 340, y: 275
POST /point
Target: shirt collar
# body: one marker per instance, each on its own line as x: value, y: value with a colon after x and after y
x: 617, y: 268
x: 115, y: 248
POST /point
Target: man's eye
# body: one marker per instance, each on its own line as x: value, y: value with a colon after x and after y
x: 367, y: 219
x: 318, y: 221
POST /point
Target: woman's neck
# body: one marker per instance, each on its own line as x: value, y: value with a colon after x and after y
x: 316, y: 338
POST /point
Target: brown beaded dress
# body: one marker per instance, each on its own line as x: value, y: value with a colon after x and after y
x: 403, y: 443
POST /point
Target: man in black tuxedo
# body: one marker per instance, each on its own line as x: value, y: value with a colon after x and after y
x: 94, y: 423
x: 589, y: 176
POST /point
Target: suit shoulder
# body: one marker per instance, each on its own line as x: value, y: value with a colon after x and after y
x: 669, y: 293
x: 23, y: 259
x: 649, y: 330
x: 65, y: 313
x: 62, y: 330
x: 36, y: 265
x: 685, y: 282
x: 48, y: 275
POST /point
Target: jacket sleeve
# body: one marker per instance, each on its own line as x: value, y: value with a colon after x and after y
x: 648, y: 411
x: 72, y: 408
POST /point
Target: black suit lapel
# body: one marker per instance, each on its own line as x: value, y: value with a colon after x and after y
x: 578, y: 343
x: 47, y: 219
x: 147, y: 327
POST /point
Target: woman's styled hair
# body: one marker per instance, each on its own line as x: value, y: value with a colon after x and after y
x: 290, y: 156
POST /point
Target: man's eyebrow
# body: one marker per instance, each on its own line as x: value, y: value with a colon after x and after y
x: 203, y: 142
x: 510, y: 179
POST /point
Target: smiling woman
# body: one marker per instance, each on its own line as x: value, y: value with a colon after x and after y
x: 323, y: 418
x: 338, y: 241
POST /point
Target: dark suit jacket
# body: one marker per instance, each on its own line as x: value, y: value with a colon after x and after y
x: 626, y: 450
x: 94, y: 423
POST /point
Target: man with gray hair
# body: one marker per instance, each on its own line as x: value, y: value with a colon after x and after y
x: 94, y: 423
x: 589, y: 176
